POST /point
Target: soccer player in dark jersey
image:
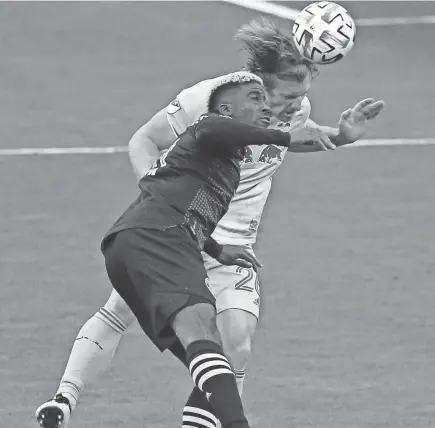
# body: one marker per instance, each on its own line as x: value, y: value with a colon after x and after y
x: 153, y: 252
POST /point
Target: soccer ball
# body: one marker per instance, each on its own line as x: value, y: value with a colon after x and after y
x: 324, y: 32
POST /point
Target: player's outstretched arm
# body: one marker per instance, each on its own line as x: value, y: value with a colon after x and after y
x: 147, y: 143
x: 308, y: 140
x: 225, y: 132
x: 353, y: 123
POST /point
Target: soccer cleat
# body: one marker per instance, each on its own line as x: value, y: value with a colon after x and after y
x: 54, y: 413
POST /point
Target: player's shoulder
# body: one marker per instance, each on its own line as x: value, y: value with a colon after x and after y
x: 212, y: 122
x: 213, y: 117
x: 190, y: 105
x: 210, y: 128
x: 194, y: 101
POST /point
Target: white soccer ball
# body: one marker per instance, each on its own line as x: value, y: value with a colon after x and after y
x: 324, y: 32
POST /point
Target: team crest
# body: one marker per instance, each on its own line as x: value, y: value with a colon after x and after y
x: 174, y: 107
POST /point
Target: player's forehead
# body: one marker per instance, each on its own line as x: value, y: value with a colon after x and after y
x: 253, y: 87
x: 291, y: 87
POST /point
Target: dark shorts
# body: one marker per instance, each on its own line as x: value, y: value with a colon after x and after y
x: 157, y: 273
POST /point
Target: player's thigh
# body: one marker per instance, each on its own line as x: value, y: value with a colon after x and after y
x: 196, y: 322
x: 234, y: 287
x: 167, y: 273
x: 116, y: 304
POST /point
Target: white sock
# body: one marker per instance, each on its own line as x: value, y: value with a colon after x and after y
x: 92, y: 353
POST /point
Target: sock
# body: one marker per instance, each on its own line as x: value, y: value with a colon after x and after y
x: 197, y: 412
x: 92, y: 353
x: 240, y: 378
x: 211, y: 372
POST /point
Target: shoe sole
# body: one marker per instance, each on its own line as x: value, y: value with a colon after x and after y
x: 51, y: 417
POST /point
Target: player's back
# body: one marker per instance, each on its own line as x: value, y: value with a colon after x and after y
x: 192, y: 183
x: 196, y: 177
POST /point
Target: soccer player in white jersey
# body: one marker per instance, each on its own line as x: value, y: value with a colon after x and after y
x: 287, y: 79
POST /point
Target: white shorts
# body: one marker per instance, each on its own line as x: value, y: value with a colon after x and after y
x: 234, y: 287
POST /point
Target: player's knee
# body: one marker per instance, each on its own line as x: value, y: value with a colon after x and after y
x: 116, y: 305
x: 197, y: 322
x: 238, y: 347
x: 237, y: 329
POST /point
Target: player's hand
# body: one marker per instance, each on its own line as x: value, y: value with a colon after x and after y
x: 238, y: 255
x: 355, y: 121
x: 309, y: 139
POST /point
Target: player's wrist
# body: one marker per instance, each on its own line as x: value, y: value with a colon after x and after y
x: 338, y: 137
x: 213, y: 248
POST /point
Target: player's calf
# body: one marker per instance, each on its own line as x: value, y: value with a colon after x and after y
x: 198, y: 412
x: 237, y: 329
x: 92, y: 353
x: 95, y: 346
x: 195, y: 326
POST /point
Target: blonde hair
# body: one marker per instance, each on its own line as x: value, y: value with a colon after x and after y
x: 271, y: 52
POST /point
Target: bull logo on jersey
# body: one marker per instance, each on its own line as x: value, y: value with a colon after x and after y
x: 269, y: 154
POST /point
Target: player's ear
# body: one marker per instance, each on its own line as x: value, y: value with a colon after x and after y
x: 225, y: 109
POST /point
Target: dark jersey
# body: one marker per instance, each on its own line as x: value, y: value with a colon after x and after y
x: 193, y: 183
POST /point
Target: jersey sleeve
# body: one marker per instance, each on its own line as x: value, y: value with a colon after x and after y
x: 222, y: 131
x: 177, y: 117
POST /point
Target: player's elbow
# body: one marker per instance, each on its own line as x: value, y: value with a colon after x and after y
x: 142, y: 152
x: 133, y: 146
x: 137, y: 140
x: 142, y: 144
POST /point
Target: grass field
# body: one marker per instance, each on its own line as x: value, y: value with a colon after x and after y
x: 347, y: 335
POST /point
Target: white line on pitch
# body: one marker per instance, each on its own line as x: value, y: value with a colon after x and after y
x: 408, y: 20
x: 266, y: 7
x: 382, y: 142
x: 290, y: 13
x: 62, y: 151
x: 378, y: 142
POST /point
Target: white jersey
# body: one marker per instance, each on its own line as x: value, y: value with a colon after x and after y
x: 240, y: 224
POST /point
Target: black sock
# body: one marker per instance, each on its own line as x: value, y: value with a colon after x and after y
x: 211, y: 372
x: 197, y: 412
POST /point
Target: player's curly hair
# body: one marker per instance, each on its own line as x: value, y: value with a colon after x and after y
x: 271, y: 51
